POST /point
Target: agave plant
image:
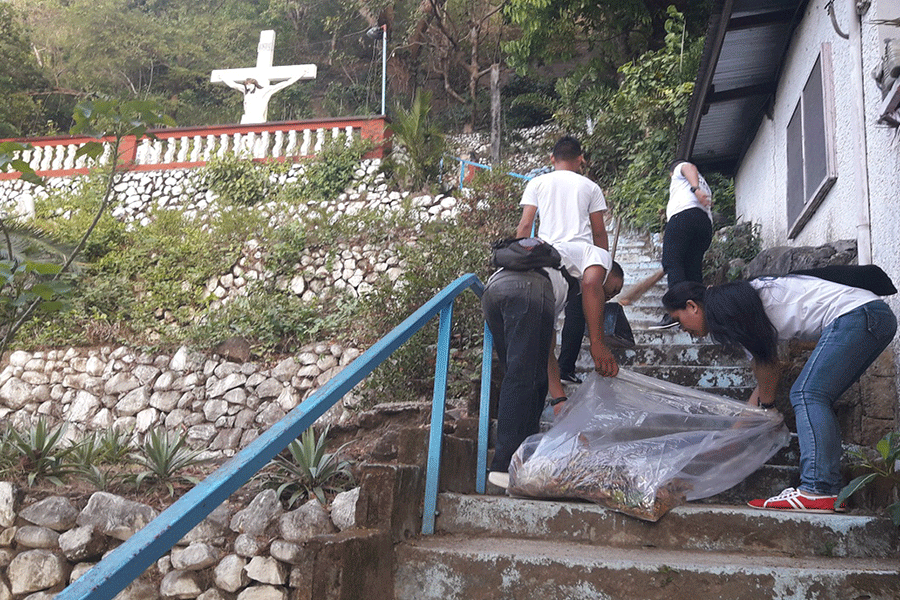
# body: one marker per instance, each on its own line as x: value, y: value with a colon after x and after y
x: 164, y: 457
x: 41, y: 452
x: 305, y: 469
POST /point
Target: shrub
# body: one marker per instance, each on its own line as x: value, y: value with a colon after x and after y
x: 305, y: 469
x: 164, y: 458
x: 880, y: 465
x: 238, y: 180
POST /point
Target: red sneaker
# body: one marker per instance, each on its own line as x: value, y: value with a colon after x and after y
x: 791, y: 499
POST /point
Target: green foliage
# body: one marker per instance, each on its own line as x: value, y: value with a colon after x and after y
x: 443, y: 252
x: 238, y: 180
x: 421, y: 144
x: 305, y: 469
x: 731, y: 248
x: 329, y: 173
x: 163, y: 458
x: 880, y: 465
x: 271, y: 321
x: 20, y: 76
x: 99, y: 457
x: 40, y: 452
x: 635, y: 124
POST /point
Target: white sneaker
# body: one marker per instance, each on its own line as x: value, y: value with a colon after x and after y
x: 499, y: 478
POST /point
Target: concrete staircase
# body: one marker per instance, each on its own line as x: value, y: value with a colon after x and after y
x: 495, y: 547
x: 498, y: 547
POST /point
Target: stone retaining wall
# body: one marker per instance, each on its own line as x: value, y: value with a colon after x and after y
x: 255, y: 552
x: 221, y: 405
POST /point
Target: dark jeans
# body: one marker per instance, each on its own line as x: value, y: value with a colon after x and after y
x: 572, y: 334
x: 687, y: 238
x: 519, y: 309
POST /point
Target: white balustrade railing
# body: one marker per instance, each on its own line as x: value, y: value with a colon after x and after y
x: 177, y: 149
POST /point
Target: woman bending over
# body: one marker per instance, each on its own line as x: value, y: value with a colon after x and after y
x: 852, y: 326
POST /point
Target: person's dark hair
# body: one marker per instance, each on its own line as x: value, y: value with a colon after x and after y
x: 617, y: 270
x: 673, y: 163
x: 734, y: 314
x: 567, y: 148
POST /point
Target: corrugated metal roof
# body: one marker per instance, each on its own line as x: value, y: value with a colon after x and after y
x: 742, y: 61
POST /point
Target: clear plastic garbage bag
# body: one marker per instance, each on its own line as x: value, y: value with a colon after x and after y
x: 641, y: 446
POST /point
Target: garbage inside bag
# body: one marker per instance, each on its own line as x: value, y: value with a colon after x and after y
x: 642, y: 446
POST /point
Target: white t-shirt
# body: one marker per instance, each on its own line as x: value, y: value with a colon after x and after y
x: 681, y: 197
x: 564, y: 200
x: 801, y: 306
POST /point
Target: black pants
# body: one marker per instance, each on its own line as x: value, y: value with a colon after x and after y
x: 687, y: 238
x: 519, y: 308
x: 572, y: 333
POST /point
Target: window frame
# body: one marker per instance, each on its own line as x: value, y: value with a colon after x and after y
x: 814, y: 192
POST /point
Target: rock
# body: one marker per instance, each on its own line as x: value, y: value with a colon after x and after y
x: 306, y: 522
x: 134, y: 401
x: 82, y: 543
x: 32, y: 536
x: 83, y: 407
x: 114, y: 516
x: 216, y: 388
x: 7, y: 504
x: 79, y: 570
x: 210, y: 594
x: 235, y: 349
x: 247, y: 546
x: 180, y: 585
x: 286, y: 552
x: 195, y: 557
x: 270, y: 388
x: 262, y: 592
x: 343, y: 509
x: 54, y: 512
x: 256, y: 518
x: 35, y: 570
x: 139, y: 590
x: 285, y: 370
x: 121, y: 383
x: 212, y: 529
x: 15, y: 393
x: 229, y: 574
x: 266, y: 569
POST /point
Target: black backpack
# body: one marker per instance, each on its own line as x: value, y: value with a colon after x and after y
x: 524, y: 254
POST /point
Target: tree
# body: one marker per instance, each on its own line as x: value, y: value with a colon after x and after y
x: 21, y: 80
x: 631, y: 129
x: 30, y: 286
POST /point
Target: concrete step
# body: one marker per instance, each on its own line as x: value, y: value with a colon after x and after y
x: 482, y: 568
x: 700, y: 377
x: 694, y: 526
x: 698, y: 355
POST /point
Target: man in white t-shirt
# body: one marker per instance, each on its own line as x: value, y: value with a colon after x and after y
x: 571, y: 209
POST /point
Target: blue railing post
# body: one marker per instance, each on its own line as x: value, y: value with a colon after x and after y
x: 438, y: 403
x: 484, y: 409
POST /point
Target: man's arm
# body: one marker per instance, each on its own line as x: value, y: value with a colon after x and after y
x: 598, y: 230
x: 526, y: 223
x: 593, y: 299
x: 692, y: 175
x: 767, y: 377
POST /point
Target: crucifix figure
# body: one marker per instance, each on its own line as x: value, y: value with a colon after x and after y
x: 260, y: 83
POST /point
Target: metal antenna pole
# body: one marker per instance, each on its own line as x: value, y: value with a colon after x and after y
x: 383, y: 67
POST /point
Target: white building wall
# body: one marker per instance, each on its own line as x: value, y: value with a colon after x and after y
x: 761, y: 181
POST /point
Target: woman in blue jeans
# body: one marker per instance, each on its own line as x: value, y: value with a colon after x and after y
x: 852, y: 325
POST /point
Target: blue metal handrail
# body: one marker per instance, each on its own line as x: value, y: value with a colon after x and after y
x: 463, y: 163
x: 124, y: 564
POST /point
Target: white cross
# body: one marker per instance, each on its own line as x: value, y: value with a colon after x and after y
x: 259, y: 83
